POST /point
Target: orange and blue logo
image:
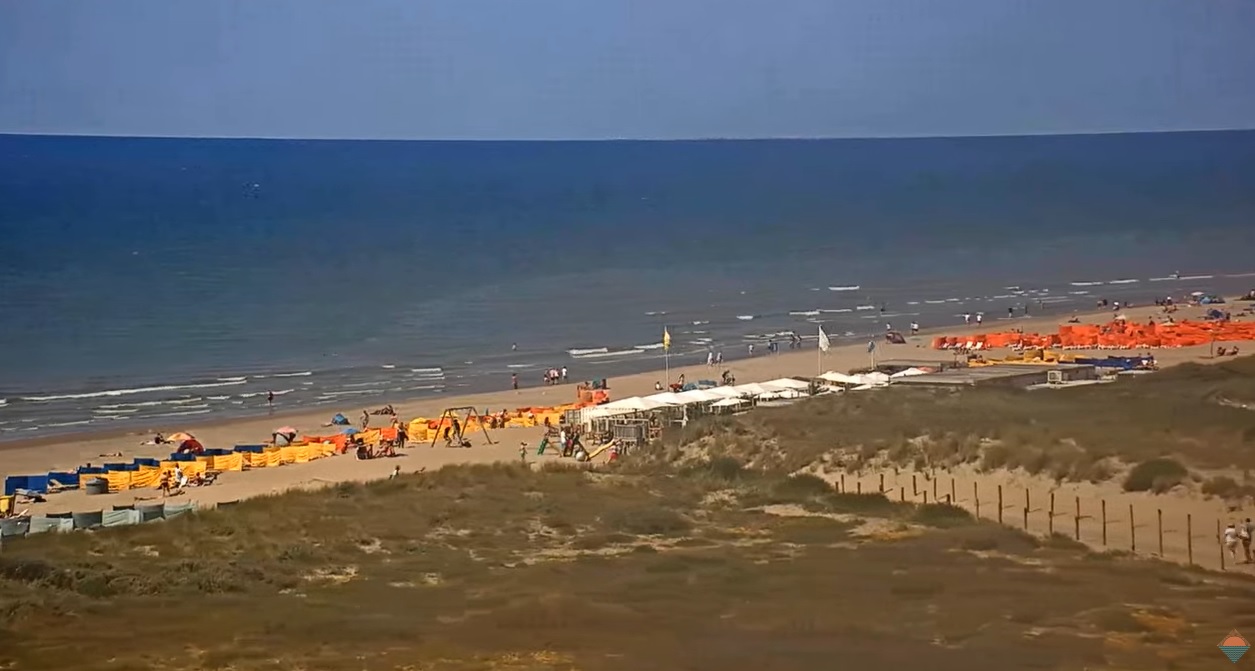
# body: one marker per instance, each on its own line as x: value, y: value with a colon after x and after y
x: 1234, y: 646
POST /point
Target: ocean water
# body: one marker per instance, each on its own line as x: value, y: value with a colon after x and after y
x: 160, y: 282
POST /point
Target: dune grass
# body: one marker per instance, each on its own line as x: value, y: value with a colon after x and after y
x: 1192, y: 414
x: 501, y: 567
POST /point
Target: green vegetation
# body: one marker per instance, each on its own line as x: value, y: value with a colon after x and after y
x: 1198, y: 415
x: 1155, y: 475
x: 501, y: 567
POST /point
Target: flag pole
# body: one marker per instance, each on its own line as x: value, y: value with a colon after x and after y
x: 666, y: 354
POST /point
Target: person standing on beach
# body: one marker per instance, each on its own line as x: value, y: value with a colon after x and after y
x: 1230, y: 539
x: 719, y: 358
x: 914, y: 328
x: 710, y: 359
x: 967, y: 318
x: 751, y: 348
x: 514, y: 381
x: 564, y: 374
x: 270, y: 400
x: 980, y: 318
x: 365, y: 419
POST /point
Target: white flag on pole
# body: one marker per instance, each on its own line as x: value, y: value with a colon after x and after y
x: 824, y: 343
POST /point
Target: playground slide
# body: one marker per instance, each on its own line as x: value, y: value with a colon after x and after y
x: 593, y: 455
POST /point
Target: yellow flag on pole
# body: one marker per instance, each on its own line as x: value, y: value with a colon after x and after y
x: 666, y: 339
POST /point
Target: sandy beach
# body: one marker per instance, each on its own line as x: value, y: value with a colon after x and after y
x: 42, y: 455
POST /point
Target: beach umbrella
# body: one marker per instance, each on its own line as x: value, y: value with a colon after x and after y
x: 349, y: 431
x: 180, y: 437
x: 285, y: 430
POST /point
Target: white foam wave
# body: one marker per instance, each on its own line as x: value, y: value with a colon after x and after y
x: 586, y: 351
x: 388, y: 366
x: 1129, y: 281
x: 655, y: 313
x: 128, y: 392
x: 837, y: 311
x: 218, y: 398
x: 176, y: 414
x: 852, y: 287
x: 700, y: 322
x: 59, y: 424
x: 1078, y: 293
x: 604, y: 353
x: 4, y: 401
x: 304, y: 373
x: 650, y: 346
x: 232, y: 379
x: 519, y: 365
x: 941, y: 302
x: 745, y: 318
x: 185, y: 401
x: 351, y: 392
x: 364, y: 385
x: 428, y: 372
x: 865, y: 307
x: 106, y: 410
x: 1086, y: 284
x: 804, y: 313
x: 1196, y: 277
x: 1163, y: 279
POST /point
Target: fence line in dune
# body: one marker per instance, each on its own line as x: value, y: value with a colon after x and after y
x: 1142, y: 528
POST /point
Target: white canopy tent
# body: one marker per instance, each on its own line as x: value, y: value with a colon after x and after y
x: 787, y: 383
x: 751, y: 389
x: 666, y: 397
x: 724, y: 392
x: 729, y: 403
x: 697, y: 396
x: 840, y: 378
x: 635, y: 404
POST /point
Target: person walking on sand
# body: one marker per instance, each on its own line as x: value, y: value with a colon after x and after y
x: 967, y: 318
x: 1244, y: 533
x: 980, y: 318
x: 1230, y: 539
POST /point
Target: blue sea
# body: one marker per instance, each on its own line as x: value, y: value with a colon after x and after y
x: 165, y: 282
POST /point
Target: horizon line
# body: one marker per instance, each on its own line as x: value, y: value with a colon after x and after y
x: 713, y: 138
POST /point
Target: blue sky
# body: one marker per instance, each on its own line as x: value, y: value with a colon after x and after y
x: 525, y: 69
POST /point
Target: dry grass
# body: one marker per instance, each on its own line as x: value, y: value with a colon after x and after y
x: 1188, y: 414
x: 501, y: 567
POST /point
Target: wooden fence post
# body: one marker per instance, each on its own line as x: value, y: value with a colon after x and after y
x: 1026, y: 506
x: 1189, y: 539
x: 882, y: 483
x: 858, y: 486
x: 926, y: 495
x: 999, y: 504
x: 914, y: 488
x: 1050, y: 524
x: 902, y: 494
x: 842, y: 488
x: 1132, y: 531
x: 1220, y: 544
x: 976, y: 496
x: 935, y: 498
x: 1104, y: 522
x: 1160, y: 513
x: 1077, y: 519
x: 953, y: 497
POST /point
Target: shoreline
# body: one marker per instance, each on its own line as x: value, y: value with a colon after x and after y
x: 41, y: 455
